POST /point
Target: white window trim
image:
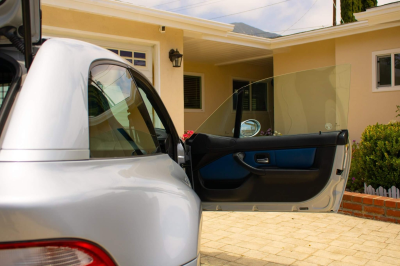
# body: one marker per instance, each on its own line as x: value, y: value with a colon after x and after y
x: 375, y: 87
x: 251, y: 93
x: 133, y: 56
x: 201, y: 75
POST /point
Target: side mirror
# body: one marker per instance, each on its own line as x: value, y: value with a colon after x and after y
x: 249, y: 128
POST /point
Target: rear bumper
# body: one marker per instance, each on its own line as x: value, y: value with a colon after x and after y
x: 195, y: 262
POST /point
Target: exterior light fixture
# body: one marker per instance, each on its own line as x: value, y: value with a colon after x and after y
x: 175, y: 57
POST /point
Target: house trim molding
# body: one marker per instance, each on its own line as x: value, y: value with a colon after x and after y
x: 142, y: 14
x: 198, y: 28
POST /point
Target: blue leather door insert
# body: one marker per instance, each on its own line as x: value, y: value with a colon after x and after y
x: 226, y: 168
x: 223, y: 169
x: 295, y: 159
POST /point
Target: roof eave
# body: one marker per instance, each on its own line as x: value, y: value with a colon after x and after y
x: 142, y: 14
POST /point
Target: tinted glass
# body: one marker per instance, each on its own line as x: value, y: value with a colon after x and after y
x: 6, y: 76
x: 384, y: 71
x: 113, y: 50
x: 119, y: 124
x: 125, y: 53
x: 140, y: 55
x: 397, y: 69
x: 259, y: 96
x: 155, y: 119
x: 298, y: 103
x: 238, y: 84
x: 192, y: 92
x: 139, y: 62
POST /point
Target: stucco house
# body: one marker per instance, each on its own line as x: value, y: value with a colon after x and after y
x: 216, y: 59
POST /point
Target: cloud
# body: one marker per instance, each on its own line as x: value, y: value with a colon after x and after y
x: 277, y: 17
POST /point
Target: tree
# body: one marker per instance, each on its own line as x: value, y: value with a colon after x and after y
x: 367, y: 4
x: 348, y: 8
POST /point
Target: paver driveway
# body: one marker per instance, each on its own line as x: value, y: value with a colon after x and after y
x: 232, y: 238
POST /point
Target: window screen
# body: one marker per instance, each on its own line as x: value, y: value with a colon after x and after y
x: 384, y: 71
x: 192, y: 92
x: 119, y: 124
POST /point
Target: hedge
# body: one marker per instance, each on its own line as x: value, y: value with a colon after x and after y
x: 376, y: 160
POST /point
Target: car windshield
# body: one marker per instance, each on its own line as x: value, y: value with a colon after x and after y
x: 303, y: 102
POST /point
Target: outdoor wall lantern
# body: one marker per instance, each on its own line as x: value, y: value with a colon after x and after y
x: 175, y: 57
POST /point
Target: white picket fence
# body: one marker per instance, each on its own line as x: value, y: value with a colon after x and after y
x: 392, y: 192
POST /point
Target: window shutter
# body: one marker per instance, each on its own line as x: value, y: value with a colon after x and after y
x: 192, y: 92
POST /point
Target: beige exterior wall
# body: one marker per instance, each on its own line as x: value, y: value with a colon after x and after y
x: 218, y: 86
x: 171, y: 82
x: 367, y: 107
x: 304, y: 56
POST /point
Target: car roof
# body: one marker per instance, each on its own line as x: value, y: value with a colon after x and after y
x: 50, y: 112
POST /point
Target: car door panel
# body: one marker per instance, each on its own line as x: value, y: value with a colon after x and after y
x: 293, y: 175
x: 241, y: 159
x: 302, y: 174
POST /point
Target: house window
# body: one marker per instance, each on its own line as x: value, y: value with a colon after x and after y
x: 136, y: 58
x: 193, y: 91
x: 386, y: 66
x: 254, y: 97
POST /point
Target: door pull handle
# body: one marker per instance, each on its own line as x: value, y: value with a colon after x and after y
x: 263, y: 161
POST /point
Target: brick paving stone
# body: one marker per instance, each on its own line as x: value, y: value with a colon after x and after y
x: 298, y: 239
x: 378, y: 263
x: 354, y: 260
x: 344, y: 251
x: 367, y: 255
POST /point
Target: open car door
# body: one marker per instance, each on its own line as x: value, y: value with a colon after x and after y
x: 279, y: 144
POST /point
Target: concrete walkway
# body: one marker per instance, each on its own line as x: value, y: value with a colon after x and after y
x: 232, y: 238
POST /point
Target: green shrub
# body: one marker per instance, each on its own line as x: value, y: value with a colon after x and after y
x: 379, y: 155
x: 356, y: 177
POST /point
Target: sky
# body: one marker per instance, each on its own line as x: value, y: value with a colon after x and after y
x: 279, y: 16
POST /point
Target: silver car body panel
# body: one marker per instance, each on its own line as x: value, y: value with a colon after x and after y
x: 50, y: 188
x: 141, y: 209
x: 328, y: 200
x: 50, y: 114
x: 195, y: 262
x: 141, y: 214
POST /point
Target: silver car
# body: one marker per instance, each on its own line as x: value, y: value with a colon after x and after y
x: 93, y: 172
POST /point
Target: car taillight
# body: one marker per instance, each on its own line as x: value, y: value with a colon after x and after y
x: 53, y: 252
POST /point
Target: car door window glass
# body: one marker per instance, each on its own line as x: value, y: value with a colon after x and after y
x: 163, y: 136
x: 297, y: 103
x: 119, y: 124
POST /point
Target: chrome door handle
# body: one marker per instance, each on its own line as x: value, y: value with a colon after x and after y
x: 264, y: 160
